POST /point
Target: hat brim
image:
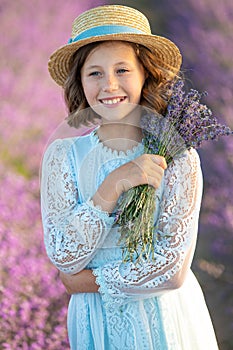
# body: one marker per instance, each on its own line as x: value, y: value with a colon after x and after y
x: 167, y: 54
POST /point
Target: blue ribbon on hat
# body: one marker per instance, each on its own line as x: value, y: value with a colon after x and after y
x: 105, y: 30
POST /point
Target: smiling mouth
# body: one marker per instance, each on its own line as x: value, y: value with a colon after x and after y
x: 112, y: 101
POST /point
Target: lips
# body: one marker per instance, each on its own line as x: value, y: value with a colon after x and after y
x: 113, y: 100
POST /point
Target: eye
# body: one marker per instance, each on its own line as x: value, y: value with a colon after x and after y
x: 122, y: 70
x: 95, y: 74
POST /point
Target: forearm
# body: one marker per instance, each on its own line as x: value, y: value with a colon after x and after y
x: 107, y: 194
x: 82, y: 282
x: 146, y: 169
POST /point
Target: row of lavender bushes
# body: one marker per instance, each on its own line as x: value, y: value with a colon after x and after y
x: 203, y: 29
x: 33, y: 302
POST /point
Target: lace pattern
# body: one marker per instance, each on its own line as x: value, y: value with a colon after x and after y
x: 127, y: 312
x: 177, y: 230
x: 72, y: 230
x: 75, y: 230
x: 72, y: 170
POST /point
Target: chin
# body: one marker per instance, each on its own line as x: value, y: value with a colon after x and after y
x: 116, y: 113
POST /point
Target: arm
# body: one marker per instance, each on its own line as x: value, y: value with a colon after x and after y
x: 82, y: 282
x: 177, y: 230
x: 73, y: 230
x: 177, y: 227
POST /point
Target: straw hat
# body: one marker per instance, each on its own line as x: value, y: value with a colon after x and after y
x: 113, y: 22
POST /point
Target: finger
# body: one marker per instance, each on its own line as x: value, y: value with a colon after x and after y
x: 155, y: 181
x: 159, y: 160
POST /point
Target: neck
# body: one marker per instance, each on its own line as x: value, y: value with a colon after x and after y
x: 119, y: 136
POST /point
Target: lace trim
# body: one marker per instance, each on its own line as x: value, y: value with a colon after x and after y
x: 138, y: 149
x: 104, y: 214
x: 177, y: 227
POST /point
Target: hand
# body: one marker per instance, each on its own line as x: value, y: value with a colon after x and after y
x: 81, y: 282
x: 146, y: 169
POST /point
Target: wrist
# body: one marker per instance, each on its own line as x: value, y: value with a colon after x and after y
x: 107, y: 194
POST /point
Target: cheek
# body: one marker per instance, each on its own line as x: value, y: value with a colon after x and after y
x: 89, y: 91
x: 135, y: 85
x: 137, y: 88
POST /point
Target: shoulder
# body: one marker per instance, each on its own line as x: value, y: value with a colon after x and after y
x: 58, y: 148
x: 67, y: 145
x: 190, y: 156
x: 186, y: 164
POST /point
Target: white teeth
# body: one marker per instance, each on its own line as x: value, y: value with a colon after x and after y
x: 111, y: 102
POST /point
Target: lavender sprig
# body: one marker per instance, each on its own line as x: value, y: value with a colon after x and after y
x: 186, y: 124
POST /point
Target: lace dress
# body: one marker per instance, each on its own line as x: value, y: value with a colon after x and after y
x: 155, y: 305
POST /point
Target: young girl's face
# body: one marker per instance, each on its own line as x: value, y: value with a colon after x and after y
x: 112, y: 79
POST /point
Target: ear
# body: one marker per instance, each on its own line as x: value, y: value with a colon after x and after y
x: 146, y: 75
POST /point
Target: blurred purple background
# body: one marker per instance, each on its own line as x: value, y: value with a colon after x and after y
x: 33, y: 302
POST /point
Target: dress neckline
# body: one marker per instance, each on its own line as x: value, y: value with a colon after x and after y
x: 138, y: 149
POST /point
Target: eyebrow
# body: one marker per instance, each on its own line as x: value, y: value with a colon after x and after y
x: 97, y: 66
x: 93, y: 67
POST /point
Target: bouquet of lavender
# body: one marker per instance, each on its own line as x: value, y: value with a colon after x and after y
x: 186, y: 123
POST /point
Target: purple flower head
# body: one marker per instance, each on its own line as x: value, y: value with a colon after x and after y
x: 186, y: 123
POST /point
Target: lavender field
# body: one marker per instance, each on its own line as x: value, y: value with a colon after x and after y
x: 33, y: 302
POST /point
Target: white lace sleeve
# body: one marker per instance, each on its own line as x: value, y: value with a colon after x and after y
x: 177, y: 226
x: 72, y: 230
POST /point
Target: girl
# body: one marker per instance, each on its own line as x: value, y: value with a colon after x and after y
x: 111, y: 66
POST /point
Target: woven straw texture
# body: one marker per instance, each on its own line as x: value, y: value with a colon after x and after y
x: 167, y: 54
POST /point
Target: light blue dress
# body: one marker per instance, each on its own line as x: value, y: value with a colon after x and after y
x: 155, y: 305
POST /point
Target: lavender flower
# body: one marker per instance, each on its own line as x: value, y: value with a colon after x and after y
x: 186, y: 124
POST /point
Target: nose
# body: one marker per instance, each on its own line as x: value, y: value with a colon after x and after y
x: 110, y: 83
